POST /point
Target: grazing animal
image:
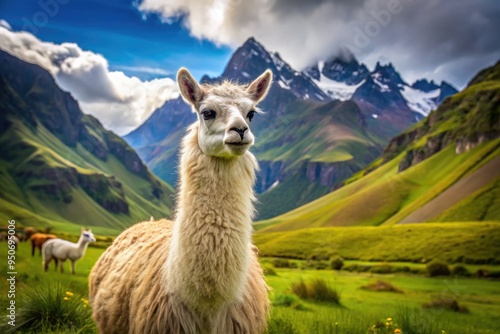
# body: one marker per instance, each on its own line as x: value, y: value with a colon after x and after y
x: 200, y: 273
x: 16, y: 241
x: 20, y: 236
x: 62, y: 250
x: 37, y: 241
x: 28, y: 232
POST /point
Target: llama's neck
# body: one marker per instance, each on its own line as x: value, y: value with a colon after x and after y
x: 81, y: 245
x: 210, y: 247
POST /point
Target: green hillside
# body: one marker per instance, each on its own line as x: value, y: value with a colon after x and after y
x: 445, y: 164
x: 451, y: 243
x: 326, y: 148
x: 60, y: 168
x: 332, y: 132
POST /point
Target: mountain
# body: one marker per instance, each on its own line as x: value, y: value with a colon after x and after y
x: 425, y: 86
x: 251, y: 59
x: 381, y: 93
x: 445, y: 168
x: 339, y: 76
x: 59, y: 167
x: 304, y: 139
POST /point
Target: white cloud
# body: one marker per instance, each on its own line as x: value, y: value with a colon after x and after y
x: 417, y: 36
x: 120, y: 102
x: 145, y: 69
x: 5, y: 24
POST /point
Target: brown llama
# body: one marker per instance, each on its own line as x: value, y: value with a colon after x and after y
x: 37, y: 241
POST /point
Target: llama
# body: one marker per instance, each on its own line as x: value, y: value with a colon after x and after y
x: 61, y: 250
x: 37, y: 241
x: 199, y: 273
x: 28, y: 232
x: 16, y: 241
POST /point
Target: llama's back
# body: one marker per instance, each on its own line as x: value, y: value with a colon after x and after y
x: 128, y: 273
x: 47, y: 250
x: 128, y: 292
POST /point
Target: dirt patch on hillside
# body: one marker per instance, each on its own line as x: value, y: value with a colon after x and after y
x: 334, y: 133
x: 457, y: 192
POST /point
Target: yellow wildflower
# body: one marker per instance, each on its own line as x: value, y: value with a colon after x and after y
x: 66, y: 298
x: 69, y: 293
x: 85, y: 301
x: 397, y: 331
x: 389, y: 319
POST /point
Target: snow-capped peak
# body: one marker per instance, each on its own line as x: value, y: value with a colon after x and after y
x: 420, y: 101
x: 424, y: 85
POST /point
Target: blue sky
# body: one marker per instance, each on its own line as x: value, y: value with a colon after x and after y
x: 131, y: 41
x: 118, y: 57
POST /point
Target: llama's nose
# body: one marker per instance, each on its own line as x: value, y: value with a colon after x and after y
x: 240, y: 131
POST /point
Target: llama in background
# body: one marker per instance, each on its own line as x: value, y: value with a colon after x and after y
x: 37, y: 241
x: 200, y: 273
x: 28, y: 232
x: 62, y: 250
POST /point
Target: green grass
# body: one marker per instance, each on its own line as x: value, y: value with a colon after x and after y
x: 360, y: 309
x: 52, y: 308
x: 385, y: 196
x: 481, y: 205
x: 450, y: 242
x: 40, y: 294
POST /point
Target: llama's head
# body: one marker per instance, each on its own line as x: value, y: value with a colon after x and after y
x: 224, y: 112
x: 87, y: 235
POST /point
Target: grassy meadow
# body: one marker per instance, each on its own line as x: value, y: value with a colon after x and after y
x: 359, y: 310
x: 476, y: 242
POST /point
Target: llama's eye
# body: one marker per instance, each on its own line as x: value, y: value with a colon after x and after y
x: 250, y: 115
x: 208, y: 114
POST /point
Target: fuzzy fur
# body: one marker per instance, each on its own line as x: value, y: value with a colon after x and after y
x: 37, y: 241
x: 199, y: 274
x: 62, y: 250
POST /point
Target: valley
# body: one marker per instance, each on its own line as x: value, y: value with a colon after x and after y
x: 308, y: 134
x: 357, y: 166
x: 358, y: 312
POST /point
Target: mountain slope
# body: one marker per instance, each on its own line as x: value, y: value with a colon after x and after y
x: 455, y: 145
x: 59, y: 167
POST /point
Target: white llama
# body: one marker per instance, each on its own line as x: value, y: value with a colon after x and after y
x: 200, y: 273
x: 62, y: 250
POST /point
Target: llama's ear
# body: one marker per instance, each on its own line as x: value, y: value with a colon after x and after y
x: 259, y: 87
x: 189, y: 87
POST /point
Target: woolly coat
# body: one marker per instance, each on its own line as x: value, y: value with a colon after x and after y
x: 199, y: 274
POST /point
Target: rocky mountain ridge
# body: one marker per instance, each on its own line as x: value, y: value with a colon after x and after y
x: 296, y: 98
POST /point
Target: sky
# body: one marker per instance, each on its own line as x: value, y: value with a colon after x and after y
x: 118, y: 57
